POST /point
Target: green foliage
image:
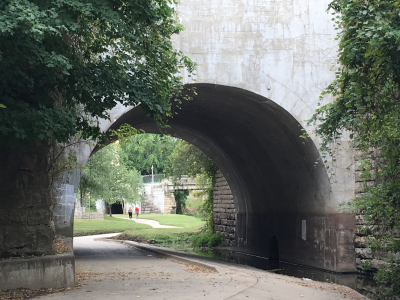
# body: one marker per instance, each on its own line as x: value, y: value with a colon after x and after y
x: 143, y: 151
x: 180, y: 199
x: 207, y: 208
x: 187, y: 159
x: 390, y: 275
x: 208, y: 239
x: 104, y: 177
x: 193, y: 206
x: 367, y: 107
x: 64, y: 63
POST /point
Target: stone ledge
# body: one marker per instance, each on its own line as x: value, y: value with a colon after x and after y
x: 52, y: 271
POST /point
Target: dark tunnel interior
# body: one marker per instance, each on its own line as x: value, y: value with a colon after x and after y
x: 270, y: 169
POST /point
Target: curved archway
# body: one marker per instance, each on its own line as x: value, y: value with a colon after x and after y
x: 257, y: 146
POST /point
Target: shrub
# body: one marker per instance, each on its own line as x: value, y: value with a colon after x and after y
x: 208, y: 239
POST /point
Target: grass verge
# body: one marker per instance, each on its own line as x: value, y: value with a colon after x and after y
x: 108, y: 225
x: 184, y: 238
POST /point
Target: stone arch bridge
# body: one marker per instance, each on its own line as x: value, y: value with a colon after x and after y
x: 261, y: 66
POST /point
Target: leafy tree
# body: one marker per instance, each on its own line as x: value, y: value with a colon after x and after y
x: 187, y: 159
x: 180, y: 199
x: 142, y: 151
x: 106, y: 178
x: 367, y: 107
x: 64, y: 63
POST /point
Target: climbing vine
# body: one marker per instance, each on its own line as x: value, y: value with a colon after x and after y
x: 208, y: 204
x: 366, y: 108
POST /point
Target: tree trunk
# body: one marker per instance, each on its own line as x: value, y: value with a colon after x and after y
x: 109, y: 209
x: 82, y: 196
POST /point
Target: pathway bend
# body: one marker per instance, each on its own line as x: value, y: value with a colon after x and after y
x: 115, y: 271
x: 152, y: 223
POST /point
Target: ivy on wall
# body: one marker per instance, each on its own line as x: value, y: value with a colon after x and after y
x: 366, y: 107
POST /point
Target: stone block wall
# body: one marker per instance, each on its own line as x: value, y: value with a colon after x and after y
x: 169, y: 204
x: 363, y: 253
x: 80, y: 213
x: 26, y: 202
x: 224, y: 212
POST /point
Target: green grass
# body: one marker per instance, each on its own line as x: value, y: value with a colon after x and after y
x: 194, y: 203
x: 117, y: 224
x: 108, y: 225
x: 184, y: 238
x: 187, y: 222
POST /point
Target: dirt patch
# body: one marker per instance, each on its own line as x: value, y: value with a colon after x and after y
x: 20, y: 294
x: 194, y: 269
x: 59, y: 246
x: 127, y: 237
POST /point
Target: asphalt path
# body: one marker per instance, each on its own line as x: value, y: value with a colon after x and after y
x: 111, y: 270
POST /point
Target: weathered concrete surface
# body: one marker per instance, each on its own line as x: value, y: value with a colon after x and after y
x: 52, y: 271
x: 26, y: 202
x: 114, y: 271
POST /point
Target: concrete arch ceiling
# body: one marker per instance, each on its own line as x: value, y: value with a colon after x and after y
x: 269, y: 168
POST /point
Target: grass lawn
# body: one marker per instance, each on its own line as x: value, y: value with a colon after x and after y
x: 194, y: 203
x: 108, y: 225
x: 117, y: 224
x: 182, y: 238
x: 187, y: 222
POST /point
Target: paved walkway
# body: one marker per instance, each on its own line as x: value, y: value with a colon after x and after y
x: 111, y: 270
x: 152, y: 223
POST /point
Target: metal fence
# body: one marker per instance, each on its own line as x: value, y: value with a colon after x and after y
x: 156, y: 178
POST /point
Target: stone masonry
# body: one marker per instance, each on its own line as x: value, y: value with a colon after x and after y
x: 169, y: 204
x: 224, y: 209
x: 26, y: 202
x: 149, y: 208
x: 80, y: 213
x: 363, y: 253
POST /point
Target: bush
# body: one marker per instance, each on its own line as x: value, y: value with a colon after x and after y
x: 180, y: 199
x: 208, y: 239
x: 193, y: 206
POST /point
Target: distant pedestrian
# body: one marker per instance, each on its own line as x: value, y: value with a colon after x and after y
x: 137, y: 212
x: 130, y: 211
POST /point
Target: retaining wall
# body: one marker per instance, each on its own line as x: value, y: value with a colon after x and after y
x: 363, y: 253
x: 224, y: 212
x: 52, y: 271
x: 80, y: 213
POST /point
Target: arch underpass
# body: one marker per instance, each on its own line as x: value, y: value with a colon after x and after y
x: 277, y: 189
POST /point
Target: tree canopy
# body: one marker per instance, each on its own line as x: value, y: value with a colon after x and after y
x: 366, y: 107
x: 142, y: 151
x: 63, y: 64
x: 187, y: 159
x: 106, y: 177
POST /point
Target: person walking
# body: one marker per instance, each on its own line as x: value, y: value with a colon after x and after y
x: 137, y: 212
x: 130, y: 211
